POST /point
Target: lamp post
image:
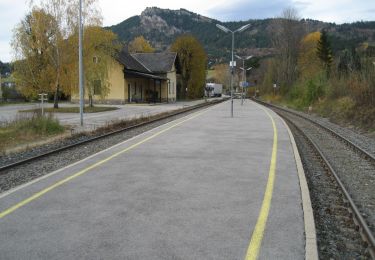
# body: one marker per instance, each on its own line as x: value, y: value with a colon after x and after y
x: 226, y: 30
x: 81, y: 95
x: 243, y: 74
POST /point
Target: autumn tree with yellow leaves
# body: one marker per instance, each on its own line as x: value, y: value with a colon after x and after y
x: 192, y: 61
x: 140, y: 44
x: 308, y: 61
x: 45, y: 45
x: 33, y: 44
x: 100, y: 48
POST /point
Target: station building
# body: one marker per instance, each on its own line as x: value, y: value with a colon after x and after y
x: 139, y: 78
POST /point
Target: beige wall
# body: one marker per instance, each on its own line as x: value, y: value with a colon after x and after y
x: 119, y: 87
x: 117, y: 83
x: 173, y: 83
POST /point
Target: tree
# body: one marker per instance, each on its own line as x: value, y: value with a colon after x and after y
x: 288, y: 32
x: 40, y: 44
x: 222, y: 74
x: 192, y: 60
x: 100, y: 48
x: 33, y: 43
x: 308, y: 60
x: 139, y: 44
x: 324, y: 51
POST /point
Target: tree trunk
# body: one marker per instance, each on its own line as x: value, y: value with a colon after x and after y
x: 91, y: 104
x: 56, y: 97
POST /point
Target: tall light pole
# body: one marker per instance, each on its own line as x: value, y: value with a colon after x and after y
x: 243, y: 74
x: 244, y: 71
x: 226, y: 30
x: 81, y: 96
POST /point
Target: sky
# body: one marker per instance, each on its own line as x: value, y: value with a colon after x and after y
x: 115, y: 11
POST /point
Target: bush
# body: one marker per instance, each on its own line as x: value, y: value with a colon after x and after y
x: 343, y: 108
x: 313, y: 92
x: 28, y: 128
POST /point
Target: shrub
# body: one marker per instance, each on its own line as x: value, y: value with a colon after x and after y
x: 313, y: 92
x: 28, y: 128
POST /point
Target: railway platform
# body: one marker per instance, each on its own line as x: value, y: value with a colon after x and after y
x: 206, y: 186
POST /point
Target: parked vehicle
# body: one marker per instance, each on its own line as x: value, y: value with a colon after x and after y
x: 214, y: 90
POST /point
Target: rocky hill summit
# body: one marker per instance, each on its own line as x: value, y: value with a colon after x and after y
x: 162, y: 26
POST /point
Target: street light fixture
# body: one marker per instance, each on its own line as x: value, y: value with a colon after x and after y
x: 226, y: 30
x: 243, y: 74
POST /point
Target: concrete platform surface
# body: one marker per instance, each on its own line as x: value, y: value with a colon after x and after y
x: 190, y: 189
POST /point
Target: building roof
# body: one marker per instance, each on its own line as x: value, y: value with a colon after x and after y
x: 144, y: 75
x: 130, y: 63
x: 156, y: 62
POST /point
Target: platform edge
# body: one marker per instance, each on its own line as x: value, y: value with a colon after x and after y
x: 311, y: 249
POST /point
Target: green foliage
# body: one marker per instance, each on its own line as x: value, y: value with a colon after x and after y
x: 192, y: 60
x: 5, y: 68
x: 324, y: 51
x: 348, y: 61
x: 313, y: 92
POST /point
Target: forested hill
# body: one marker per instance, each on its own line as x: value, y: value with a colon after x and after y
x: 162, y: 26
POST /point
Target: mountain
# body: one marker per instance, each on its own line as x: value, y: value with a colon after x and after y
x: 162, y: 26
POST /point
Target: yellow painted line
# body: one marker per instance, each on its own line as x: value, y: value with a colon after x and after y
x: 67, y: 179
x: 257, y: 237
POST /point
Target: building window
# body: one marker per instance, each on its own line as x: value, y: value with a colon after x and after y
x: 97, y: 87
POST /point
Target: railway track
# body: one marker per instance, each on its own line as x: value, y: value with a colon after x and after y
x: 351, y: 167
x: 21, y: 168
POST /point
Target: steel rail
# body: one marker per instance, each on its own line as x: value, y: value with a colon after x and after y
x: 340, y: 136
x: 54, y: 151
x: 364, y: 229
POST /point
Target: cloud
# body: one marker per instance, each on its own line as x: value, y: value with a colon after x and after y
x: 253, y: 9
x: 11, y: 13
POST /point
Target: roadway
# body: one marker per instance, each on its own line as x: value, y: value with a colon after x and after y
x: 206, y: 186
x: 93, y: 120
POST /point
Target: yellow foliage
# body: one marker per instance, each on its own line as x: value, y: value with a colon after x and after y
x: 308, y: 60
x: 222, y: 74
x: 139, y: 44
x: 192, y: 60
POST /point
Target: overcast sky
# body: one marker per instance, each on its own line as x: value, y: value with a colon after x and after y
x: 115, y: 11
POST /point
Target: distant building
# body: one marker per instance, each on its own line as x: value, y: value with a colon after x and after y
x: 140, y: 78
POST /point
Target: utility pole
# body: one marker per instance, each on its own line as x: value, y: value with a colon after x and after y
x: 81, y: 94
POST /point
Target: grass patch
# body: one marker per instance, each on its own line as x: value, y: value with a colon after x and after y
x: 72, y: 109
x: 28, y: 129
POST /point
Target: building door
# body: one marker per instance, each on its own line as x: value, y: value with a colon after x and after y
x: 129, y: 93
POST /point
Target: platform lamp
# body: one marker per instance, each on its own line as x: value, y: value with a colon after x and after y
x: 226, y: 30
x: 244, y: 71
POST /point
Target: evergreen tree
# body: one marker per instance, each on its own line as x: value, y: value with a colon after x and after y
x: 324, y: 51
